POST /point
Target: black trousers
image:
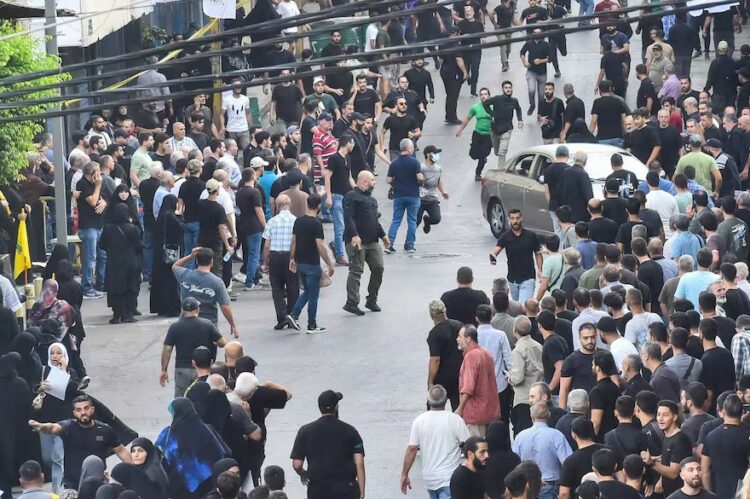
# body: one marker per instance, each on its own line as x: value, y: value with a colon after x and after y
x: 472, y: 59
x: 506, y: 403
x: 520, y: 418
x: 284, y: 284
x: 432, y: 208
x: 557, y: 44
x: 452, y: 84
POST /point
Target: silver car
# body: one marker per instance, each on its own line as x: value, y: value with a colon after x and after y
x: 520, y: 183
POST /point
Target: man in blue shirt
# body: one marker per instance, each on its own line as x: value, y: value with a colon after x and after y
x: 686, y: 243
x: 405, y: 176
x: 693, y: 283
x: 546, y: 446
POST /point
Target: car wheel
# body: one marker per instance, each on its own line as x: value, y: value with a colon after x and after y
x: 496, y: 217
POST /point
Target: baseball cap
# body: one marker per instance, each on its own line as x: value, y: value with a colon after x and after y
x: 328, y: 400
x: 212, y: 185
x: 695, y: 140
x: 431, y: 150
x: 194, y: 166
x: 325, y: 116
x: 606, y: 325
x: 715, y: 143
x: 258, y: 162
x: 357, y: 116
x: 612, y: 185
x: 202, y: 356
x: 437, y: 307
x: 562, y: 151
x: 318, y: 79
x: 546, y: 319
x: 190, y: 304
x: 722, y: 46
x: 291, y: 129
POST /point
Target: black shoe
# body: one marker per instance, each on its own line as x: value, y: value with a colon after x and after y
x: 390, y: 249
x: 127, y: 320
x: 292, y: 322
x: 84, y: 383
x: 426, y: 227
x: 373, y: 306
x: 137, y: 313
x: 115, y: 320
x: 558, y: 74
x: 353, y: 309
x: 280, y: 325
x: 697, y: 54
x: 531, y: 110
x: 477, y: 177
x: 474, y: 94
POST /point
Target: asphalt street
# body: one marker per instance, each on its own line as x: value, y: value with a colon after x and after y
x: 379, y: 361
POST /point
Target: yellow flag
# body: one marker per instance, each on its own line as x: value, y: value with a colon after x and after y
x: 23, y: 258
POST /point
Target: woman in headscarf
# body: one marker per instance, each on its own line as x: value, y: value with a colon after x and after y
x: 8, y: 326
x: 32, y: 188
x: 579, y: 133
x: 16, y: 397
x: 165, y: 295
x: 502, y: 460
x: 122, y: 242
x: 109, y: 491
x: 68, y: 288
x: 217, y: 413
x: 147, y: 457
x: 92, y: 468
x: 190, y: 449
x: 49, y: 306
x: 121, y: 195
x: 59, y: 252
x: 120, y: 115
x: 129, y: 494
x: 132, y: 477
x: 31, y: 366
x: 219, y: 467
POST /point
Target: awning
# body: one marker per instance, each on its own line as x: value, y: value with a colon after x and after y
x: 9, y: 10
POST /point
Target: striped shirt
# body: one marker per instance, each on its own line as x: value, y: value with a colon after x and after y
x: 324, y: 145
x: 741, y: 353
x: 279, y: 231
x: 477, y: 379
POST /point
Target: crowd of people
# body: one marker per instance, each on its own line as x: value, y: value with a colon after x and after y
x: 612, y: 361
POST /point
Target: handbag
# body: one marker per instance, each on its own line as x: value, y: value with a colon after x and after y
x: 171, y: 251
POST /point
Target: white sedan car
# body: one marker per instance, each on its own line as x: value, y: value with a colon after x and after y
x: 520, y: 183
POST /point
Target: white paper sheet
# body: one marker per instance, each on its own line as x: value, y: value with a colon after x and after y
x: 58, y: 383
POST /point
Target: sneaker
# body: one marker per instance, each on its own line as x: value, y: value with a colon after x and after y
x: 558, y: 74
x: 531, y: 110
x: 477, y: 178
x: 390, y: 249
x: 341, y: 261
x: 426, y: 227
x: 280, y: 325
x: 292, y: 322
x: 115, y: 320
x: 353, y: 309
x: 128, y: 320
x: 505, y: 67
x: 253, y: 287
x: 315, y: 329
x: 373, y: 306
x: 326, y: 220
x: 410, y: 249
x: 239, y: 277
x: 92, y: 294
x: 137, y: 313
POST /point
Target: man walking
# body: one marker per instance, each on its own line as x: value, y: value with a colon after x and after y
x: 479, y: 404
x: 361, y: 233
x: 405, y: 176
x: 523, y: 249
x: 445, y: 357
x: 535, y: 55
x: 276, y: 257
x: 339, y: 181
x: 527, y: 368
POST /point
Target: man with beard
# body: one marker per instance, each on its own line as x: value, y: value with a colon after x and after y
x: 358, y: 156
x: 286, y: 103
x: 82, y: 436
x: 523, y: 248
x: 453, y: 72
x: 481, y: 139
x: 470, y: 25
x: 576, y: 371
x: 371, y: 143
x: 670, y: 141
x: 730, y: 177
x: 692, y: 483
x: 550, y: 114
x: 334, y: 452
x: 535, y: 55
x: 501, y: 108
x: 467, y: 481
x: 366, y: 100
x: 414, y: 105
x: 420, y: 81
x: 478, y: 401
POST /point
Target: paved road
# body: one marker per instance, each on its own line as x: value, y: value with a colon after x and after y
x: 378, y: 361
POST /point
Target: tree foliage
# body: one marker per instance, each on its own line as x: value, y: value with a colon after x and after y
x: 21, y: 55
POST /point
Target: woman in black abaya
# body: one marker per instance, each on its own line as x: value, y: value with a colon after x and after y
x: 147, y: 457
x: 31, y: 366
x: 122, y: 242
x: 132, y: 477
x: 59, y: 253
x: 16, y: 398
x: 121, y: 195
x: 165, y: 296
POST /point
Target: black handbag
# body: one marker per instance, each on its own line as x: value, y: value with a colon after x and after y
x: 171, y: 251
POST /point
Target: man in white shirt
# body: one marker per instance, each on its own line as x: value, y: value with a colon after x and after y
x: 496, y: 342
x: 371, y: 35
x: 636, y: 330
x: 619, y: 347
x: 237, y: 109
x: 437, y: 434
x: 664, y: 203
x: 228, y: 163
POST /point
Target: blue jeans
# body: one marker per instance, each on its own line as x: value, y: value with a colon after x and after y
x: 613, y: 142
x: 148, y: 253
x: 191, y: 240
x: 89, y: 245
x: 310, y: 275
x: 337, y: 210
x: 253, y: 255
x: 101, y: 267
x: 549, y: 490
x: 522, y: 291
x: 52, y: 454
x: 411, y: 206
x: 441, y: 493
x: 586, y: 7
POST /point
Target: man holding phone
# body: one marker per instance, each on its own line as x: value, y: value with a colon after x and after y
x: 91, y: 206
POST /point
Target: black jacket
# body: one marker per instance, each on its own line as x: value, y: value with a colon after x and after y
x: 361, y: 217
x: 576, y: 191
x: 501, y: 109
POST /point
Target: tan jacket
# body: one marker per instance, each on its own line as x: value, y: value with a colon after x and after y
x: 526, y: 368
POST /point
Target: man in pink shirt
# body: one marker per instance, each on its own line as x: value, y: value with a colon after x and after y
x: 479, y: 404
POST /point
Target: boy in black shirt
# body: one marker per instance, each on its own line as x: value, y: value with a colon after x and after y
x: 675, y: 448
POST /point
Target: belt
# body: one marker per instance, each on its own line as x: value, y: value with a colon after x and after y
x: 280, y: 252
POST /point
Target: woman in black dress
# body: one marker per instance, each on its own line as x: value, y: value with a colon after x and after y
x: 122, y: 242
x: 121, y: 195
x: 165, y: 296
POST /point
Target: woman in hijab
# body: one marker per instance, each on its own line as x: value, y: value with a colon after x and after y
x: 32, y: 187
x: 129, y: 494
x: 132, y: 477
x: 502, y: 460
x: 120, y: 115
x: 122, y: 242
x: 190, y: 449
x: 121, y: 195
x: 59, y: 252
x: 197, y: 394
x: 92, y: 469
x: 579, y: 133
x: 219, y: 467
x: 217, y: 413
x: 31, y: 366
x: 109, y: 491
x: 68, y: 288
x: 148, y: 458
x: 49, y: 306
x: 16, y: 397
x: 8, y: 326
x: 165, y: 296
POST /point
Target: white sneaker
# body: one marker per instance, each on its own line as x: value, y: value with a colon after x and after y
x: 239, y: 277
x: 316, y: 330
x: 253, y: 287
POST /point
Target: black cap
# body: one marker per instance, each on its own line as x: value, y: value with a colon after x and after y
x: 190, y: 304
x: 202, y: 357
x: 744, y: 71
x: 328, y: 400
x: 715, y: 143
x: 606, y: 325
x: 357, y: 116
x: 612, y: 185
x: 546, y: 319
x: 431, y: 150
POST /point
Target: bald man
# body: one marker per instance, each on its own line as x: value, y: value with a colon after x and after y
x: 601, y: 229
x: 362, y: 230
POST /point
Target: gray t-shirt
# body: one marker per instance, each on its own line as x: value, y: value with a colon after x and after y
x: 205, y: 287
x: 680, y: 364
x: 429, y: 190
x: 692, y: 426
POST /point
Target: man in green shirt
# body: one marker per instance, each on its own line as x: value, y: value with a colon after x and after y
x: 141, y: 161
x: 329, y: 103
x: 704, y: 164
x: 481, y: 139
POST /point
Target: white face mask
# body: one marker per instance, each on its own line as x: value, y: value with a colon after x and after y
x: 436, y: 157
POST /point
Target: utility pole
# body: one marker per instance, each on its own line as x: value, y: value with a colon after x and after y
x: 57, y: 127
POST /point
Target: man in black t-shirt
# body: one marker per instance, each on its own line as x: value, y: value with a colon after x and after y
x: 461, y: 303
x: 445, y: 357
x: 339, y: 181
x: 503, y: 17
x: 610, y: 129
x: 334, y: 452
x: 468, y: 480
x: 576, y: 371
x: 603, y: 396
x: 533, y: 14
x: 522, y: 248
x: 578, y: 463
x: 675, y: 448
x: 213, y: 231
x: 401, y: 126
x: 646, y: 96
x: 601, y: 229
x: 366, y: 100
x: 472, y: 58
x: 553, y: 181
x: 82, y: 436
x: 612, y: 68
x: 91, y: 206
x: 554, y: 350
x: 189, y: 194
x: 535, y: 55
x: 626, y: 179
x: 691, y: 474
x: 643, y: 141
x: 604, y: 462
x: 286, y: 103
x: 726, y: 451
x: 188, y: 333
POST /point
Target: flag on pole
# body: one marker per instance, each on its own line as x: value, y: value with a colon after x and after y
x: 23, y: 258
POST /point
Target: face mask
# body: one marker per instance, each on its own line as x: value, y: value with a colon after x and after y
x: 436, y: 157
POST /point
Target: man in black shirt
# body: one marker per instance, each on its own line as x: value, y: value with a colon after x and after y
x: 522, y: 248
x: 604, y: 462
x: 415, y: 107
x: 366, y: 100
x: 420, y: 81
x: 609, y: 129
x: 553, y: 182
x: 557, y: 42
x: 578, y: 463
x: 82, y: 436
x: 501, y: 108
x: 91, y: 206
x: 681, y: 37
x: 333, y: 48
x: 554, y: 350
x: 550, y: 114
x: 646, y: 96
x: 468, y: 481
x: 189, y: 194
x: 612, y: 68
x: 576, y: 188
x: 334, y: 452
x: 627, y: 180
x: 726, y: 451
x: 361, y: 233
x: 671, y: 143
x: 503, y: 16
x: 461, y: 303
x: 603, y: 396
x: 339, y: 181
x: 574, y: 109
x: 197, y: 125
x: 401, y: 125
x: 453, y: 73
x: 718, y: 373
x: 533, y: 14
x: 188, y: 333
x: 286, y: 103
x: 577, y: 368
x: 147, y: 189
x: 643, y: 141
x: 445, y: 357
x: 691, y: 473
x: 626, y: 438
x: 213, y: 232
x: 535, y: 55
x: 601, y: 229
x: 675, y: 448
x: 472, y: 58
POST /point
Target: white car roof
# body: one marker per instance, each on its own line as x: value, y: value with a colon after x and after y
x: 598, y: 166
